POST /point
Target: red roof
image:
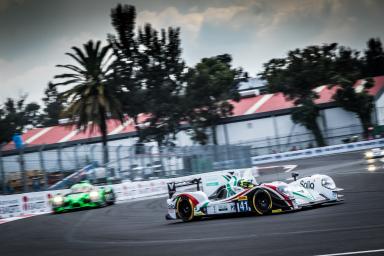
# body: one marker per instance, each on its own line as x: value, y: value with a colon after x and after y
x: 55, y: 133
x: 257, y: 104
x: 276, y: 102
x: 239, y: 108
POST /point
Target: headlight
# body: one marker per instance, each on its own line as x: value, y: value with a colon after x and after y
x: 369, y: 154
x: 94, y: 195
x: 328, y: 183
x: 58, y: 200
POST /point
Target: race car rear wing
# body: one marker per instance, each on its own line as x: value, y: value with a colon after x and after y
x: 173, y: 185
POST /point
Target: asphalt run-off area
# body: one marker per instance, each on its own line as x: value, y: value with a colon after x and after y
x: 355, y: 227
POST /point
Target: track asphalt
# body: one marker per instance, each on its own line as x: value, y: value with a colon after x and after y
x: 139, y: 228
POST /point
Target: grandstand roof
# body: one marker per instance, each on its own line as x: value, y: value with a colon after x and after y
x: 266, y: 103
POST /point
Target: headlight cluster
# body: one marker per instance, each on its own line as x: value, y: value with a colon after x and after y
x: 328, y: 183
x: 94, y: 195
x: 58, y: 201
x: 369, y: 154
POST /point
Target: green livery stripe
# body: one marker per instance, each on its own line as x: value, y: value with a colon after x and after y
x: 298, y: 194
x: 235, y: 181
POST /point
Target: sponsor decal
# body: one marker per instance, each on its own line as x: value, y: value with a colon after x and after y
x: 222, y: 208
x: 242, y: 198
x: 214, y: 183
x: 34, y: 203
x: 307, y: 184
x: 242, y: 206
x: 10, y: 207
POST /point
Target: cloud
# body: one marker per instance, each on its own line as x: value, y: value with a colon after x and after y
x: 253, y: 31
x: 17, y: 82
x: 5, y: 4
x: 191, y: 22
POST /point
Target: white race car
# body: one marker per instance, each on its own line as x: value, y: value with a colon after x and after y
x: 234, y: 193
x: 374, y: 153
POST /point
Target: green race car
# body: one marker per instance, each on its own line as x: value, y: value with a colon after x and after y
x: 83, y: 195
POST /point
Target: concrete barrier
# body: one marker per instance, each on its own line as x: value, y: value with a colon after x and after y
x: 312, y: 152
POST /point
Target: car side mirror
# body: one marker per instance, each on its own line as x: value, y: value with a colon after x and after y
x: 294, y: 175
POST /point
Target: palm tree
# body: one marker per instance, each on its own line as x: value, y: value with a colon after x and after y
x: 93, y: 98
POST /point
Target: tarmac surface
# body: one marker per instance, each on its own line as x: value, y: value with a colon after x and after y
x: 139, y: 228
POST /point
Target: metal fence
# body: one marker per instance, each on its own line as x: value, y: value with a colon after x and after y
x: 43, y: 168
x: 26, y: 172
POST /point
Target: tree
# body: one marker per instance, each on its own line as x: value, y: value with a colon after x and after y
x: 54, y: 106
x: 162, y: 75
x: 149, y: 71
x: 92, y: 99
x: 360, y: 103
x: 125, y: 50
x: 297, y: 76
x: 210, y: 85
x: 11, y: 119
x: 15, y: 115
x: 348, y: 68
x: 374, y: 58
x: 32, y: 114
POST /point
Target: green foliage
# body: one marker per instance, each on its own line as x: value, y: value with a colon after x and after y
x: 150, y: 72
x: 297, y: 76
x: 93, y: 97
x: 374, y: 58
x: 306, y: 114
x: 125, y: 49
x: 360, y: 103
x: 54, y: 106
x: 15, y: 115
x: 210, y: 85
x: 161, y: 75
x: 348, y: 68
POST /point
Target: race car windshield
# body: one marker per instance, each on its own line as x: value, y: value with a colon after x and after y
x: 81, y: 189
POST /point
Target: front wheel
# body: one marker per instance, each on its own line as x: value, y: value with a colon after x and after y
x: 262, y: 202
x: 185, y: 209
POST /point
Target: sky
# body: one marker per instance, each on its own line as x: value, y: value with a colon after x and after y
x: 35, y: 34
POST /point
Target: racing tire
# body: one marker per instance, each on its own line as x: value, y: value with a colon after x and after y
x: 185, y: 209
x: 111, y: 199
x: 262, y: 202
x: 103, y: 203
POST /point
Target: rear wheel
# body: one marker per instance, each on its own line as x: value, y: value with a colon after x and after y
x: 262, y: 202
x: 110, y: 198
x: 185, y: 209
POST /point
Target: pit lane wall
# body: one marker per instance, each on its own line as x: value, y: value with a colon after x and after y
x: 329, y: 150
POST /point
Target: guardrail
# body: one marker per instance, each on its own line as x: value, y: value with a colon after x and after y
x: 312, y: 152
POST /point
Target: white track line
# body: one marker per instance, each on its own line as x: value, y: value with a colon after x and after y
x: 289, y: 167
x: 352, y: 253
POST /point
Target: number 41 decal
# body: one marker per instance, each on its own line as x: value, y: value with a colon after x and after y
x: 242, y: 206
